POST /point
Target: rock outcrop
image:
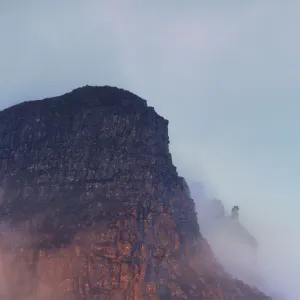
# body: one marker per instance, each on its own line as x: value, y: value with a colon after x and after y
x: 92, y: 207
x: 233, y: 245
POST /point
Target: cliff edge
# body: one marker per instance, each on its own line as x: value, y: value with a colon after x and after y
x: 92, y: 206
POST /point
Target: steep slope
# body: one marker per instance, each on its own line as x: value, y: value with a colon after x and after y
x: 234, y: 246
x: 92, y: 207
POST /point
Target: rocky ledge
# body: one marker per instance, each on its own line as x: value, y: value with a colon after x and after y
x: 92, y: 206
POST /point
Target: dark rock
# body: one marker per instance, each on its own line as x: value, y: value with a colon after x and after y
x: 92, y: 207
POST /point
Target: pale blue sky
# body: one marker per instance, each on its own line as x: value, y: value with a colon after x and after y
x: 226, y: 75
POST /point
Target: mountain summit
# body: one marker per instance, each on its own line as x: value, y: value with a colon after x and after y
x: 92, y: 206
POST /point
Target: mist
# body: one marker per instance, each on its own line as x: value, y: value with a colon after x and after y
x: 226, y: 76
x: 235, y: 248
x: 19, y: 268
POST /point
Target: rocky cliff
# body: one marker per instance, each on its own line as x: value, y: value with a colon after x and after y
x: 92, y: 207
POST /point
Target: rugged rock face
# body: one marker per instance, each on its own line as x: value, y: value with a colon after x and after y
x: 92, y: 207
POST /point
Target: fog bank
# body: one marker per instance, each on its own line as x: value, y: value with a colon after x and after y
x: 239, y: 252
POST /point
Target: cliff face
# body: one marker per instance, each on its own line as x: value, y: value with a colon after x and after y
x: 92, y: 207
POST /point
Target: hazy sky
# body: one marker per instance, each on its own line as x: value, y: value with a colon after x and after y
x: 226, y: 75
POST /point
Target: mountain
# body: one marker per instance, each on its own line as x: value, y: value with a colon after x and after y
x: 92, y: 207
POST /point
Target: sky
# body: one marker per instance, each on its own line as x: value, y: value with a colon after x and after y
x: 224, y: 73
